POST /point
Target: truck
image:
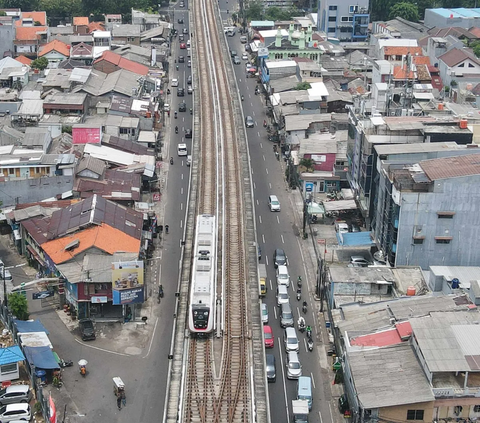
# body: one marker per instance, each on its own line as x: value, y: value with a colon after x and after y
x: 262, y: 274
x: 300, y: 411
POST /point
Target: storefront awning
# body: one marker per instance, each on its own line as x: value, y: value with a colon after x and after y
x: 35, y: 255
x: 41, y: 357
x: 315, y: 208
x: 339, y: 205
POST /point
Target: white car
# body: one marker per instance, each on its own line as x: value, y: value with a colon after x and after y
x: 264, y: 313
x: 244, y: 56
x: 174, y: 82
x: 294, y: 368
x: 18, y: 411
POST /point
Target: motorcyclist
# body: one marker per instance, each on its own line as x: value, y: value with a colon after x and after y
x: 175, y: 114
x: 176, y: 129
x: 242, y: 98
x: 301, y: 322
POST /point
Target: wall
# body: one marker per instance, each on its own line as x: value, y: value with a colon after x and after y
x: 7, y: 35
x: 32, y: 190
x: 354, y: 288
x: 399, y: 413
x: 461, y: 195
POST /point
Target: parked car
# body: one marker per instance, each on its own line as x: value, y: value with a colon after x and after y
x: 268, y: 336
x: 294, y: 367
x: 16, y: 411
x: 279, y: 258
x: 5, y: 274
x: 264, y: 313
x: 87, y: 330
x: 359, y: 261
x: 271, y: 368
x: 188, y: 133
x: 244, y: 56
x: 15, y: 394
x: 249, y: 122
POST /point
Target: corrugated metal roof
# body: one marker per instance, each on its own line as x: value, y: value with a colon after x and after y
x: 451, y: 167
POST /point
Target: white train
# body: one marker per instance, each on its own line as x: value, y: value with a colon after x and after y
x: 203, y: 287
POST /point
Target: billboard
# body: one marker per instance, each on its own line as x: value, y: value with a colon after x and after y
x: 127, y: 282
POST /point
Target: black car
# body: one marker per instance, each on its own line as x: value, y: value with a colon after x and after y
x: 271, y: 371
x: 279, y: 258
x: 87, y: 329
x: 180, y: 20
x: 180, y: 92
x: 188, y: 133
x: 182, y: 107
x: 181, y: 59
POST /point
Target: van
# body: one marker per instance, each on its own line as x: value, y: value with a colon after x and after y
x: 290, y: 340
x: 182, y: 150
x: 286, y: 316
x: 283, y: 278
x: 282, y: 295
x: 304, y: 390
x: 243, y: 39
x: 15, y: 394
x: 273, y: 203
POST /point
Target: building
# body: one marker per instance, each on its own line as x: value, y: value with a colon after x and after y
x: 444, y: 18
x: 126, y: 34
x: 425, y: 213
x: 110, y: 62
x: 343, y: 20
x: 459, y: 65
x: 55, y: 51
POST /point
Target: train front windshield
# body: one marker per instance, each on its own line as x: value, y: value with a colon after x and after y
x: 200, y: 317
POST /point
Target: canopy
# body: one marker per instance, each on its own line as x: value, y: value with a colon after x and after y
x: 339, y: 205
x: 41, y: 357
x: 35, y: 339
x: 315, y: 208
x: 355, y: 239
x: 29, y: 326
x: 11, y: 355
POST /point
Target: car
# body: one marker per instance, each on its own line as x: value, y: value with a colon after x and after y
x: 354, y: 228
x: 259, y: 252
x: 181, y: 38
x: 189, y: 80
x: 189, y: 89
x: 181, y: 59
x: 188, y: 43
x: 233, y: 53
x: 282, y: 295
x: 87, y: 331
x: 236, y: 60
x: 264, y: 313
x: 15, y: 394
x: 181, y: 4
x: 270, y: 367
x: 189, y: 64
x: 249, y: 122
x: 273, y: 203
x: 290, y: 340
x: 286, y: 316
x: 185, y: 30
x: 188, y: 133
x: 183, y: 46
x: 359, y: 261
x: 279, y: 258
x: 16, y: 411
x: 341, y: 226
x: 294, y: 367
x: 180, y: 20
x: 174, y: 82
x: 182, y: 107
x: 244, y: 56
x: 5, y: 274
x: 268, y: 336
x: 180, y: 92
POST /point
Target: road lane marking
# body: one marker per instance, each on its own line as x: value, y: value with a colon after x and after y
x: 281, y: 236
x: 103, y: 349
x: 278, y: 220
x: 151, y: 340
x: 260, y: 219
x: 284, y: 383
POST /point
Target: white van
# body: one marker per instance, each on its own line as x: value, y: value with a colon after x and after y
x: 304, y: 390
x: 182, y: 150
x: 283, y: 278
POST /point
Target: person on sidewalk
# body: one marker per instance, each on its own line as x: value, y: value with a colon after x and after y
x: 119, y: 401
x: 124, y: 398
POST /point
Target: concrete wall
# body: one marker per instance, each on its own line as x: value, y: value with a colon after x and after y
x: 31, y: 190
x: 7, y: 35
x: 399, y: 413
x: 419, y: 210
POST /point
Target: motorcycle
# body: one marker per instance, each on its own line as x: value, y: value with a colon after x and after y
x: 67, y: 363
x: 301, y: 324
x: 166, y: 229
x: 299, y: 294
x: 175, y: 115
x: 299, y: 282
x: 310, y: 344
x: 171, y: 160
x: 168, y: 91
x: 309, y: 331
x: 160, y: 291
x: 176, y: 129
x: 242, y: 98
x: 304, y: 307
x: 191, y: 111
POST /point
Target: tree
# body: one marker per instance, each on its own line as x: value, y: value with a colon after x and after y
x: 307, y: 164
x: 41, y: 63
x: 405, y: 10
x: 254, y: 11
x: 476, y: 48
x: 303, y: 86
x: 18, y: 305
x: 58, y: 10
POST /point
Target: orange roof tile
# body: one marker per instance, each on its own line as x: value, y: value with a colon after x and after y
x: 80, y: 20
x: 103, y: 237
x: 400, y: 51
x: 401, y: 73
x: 475, y: 31
x: 123, y: 63
x: 421, y: 60
x: 24, y: 60
x: 55, y: 45
x: 96, y: 26
x: 36, y: 16
x: 28, y: 33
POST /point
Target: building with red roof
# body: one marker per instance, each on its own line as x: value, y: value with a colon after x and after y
x: 110, y: 62
x: 55, y: 51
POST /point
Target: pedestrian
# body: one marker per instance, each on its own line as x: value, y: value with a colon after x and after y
x: 124, y: 398
x: 119, y: 401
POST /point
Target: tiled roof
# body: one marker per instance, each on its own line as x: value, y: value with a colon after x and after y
x: 437, y: 82
x: 24, y: 60
x: 102, y: 237
x: 81, y: 50
x: 475, y: 31
x: 456, y: 56
x: 116, y: 185
x: 401, y: 51
x: 80, y: 20
x: 122, y: 63
x: 96, y: 26
x: 451, y: 167
x: 28, y: 33
x: 457, y: 32
x: 36, y: 16
x: 91, y: 163
x: 422, y: 73
x: 55, y: 45
x: 421, y: 60
x: 401, y: 73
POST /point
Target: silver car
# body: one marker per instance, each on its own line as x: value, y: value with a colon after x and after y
x: 264, y: 313
x: 249, y: 122
x: 294, y: 367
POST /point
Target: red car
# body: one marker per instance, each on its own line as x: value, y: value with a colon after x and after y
x: 268, y: 335
x: 183, y: 46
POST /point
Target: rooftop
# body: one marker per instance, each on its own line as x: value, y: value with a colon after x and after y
x: 57, y: 46
x: 122, y: 63
x: 451, y: 167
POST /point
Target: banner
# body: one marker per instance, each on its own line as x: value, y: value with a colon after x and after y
x: 52, y: 410
x: 127, y: 282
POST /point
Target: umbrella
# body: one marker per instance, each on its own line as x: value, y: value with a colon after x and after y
x: 82, y: 362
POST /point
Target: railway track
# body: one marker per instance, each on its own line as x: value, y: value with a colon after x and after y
x: 227, y: 399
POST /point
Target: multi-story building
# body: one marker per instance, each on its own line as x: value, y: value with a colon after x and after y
x: 344, y: 20
x: 425, y: 213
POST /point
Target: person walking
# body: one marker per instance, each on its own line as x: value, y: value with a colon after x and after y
x: 124, y: 398
x: 119, y: 401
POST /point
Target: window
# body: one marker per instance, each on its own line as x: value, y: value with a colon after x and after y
x: 353, y: 9
x: 443, y: 239
x: 476, y: 408
x: 415, y: 415
x: 345, y: 18
x: 331, y: 29
x: 470, y: 65
x: 332, y: 19
x: 332, y: 7
x: 418, y: 240
x: 445, y: 215
x: 8, y: 368
x: 461, y: 65
x: 11, y: 171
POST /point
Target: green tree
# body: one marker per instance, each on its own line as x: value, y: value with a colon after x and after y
x: 307, y: 164
x: 58, y: 10
x: 18, y: 305
x: 476, y: 48
x: 25, y: 5
x: 405, y: 10
x: 379, y: 9
x: 303, y: 86
x: 41, y: 63
x: 254, y: 11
